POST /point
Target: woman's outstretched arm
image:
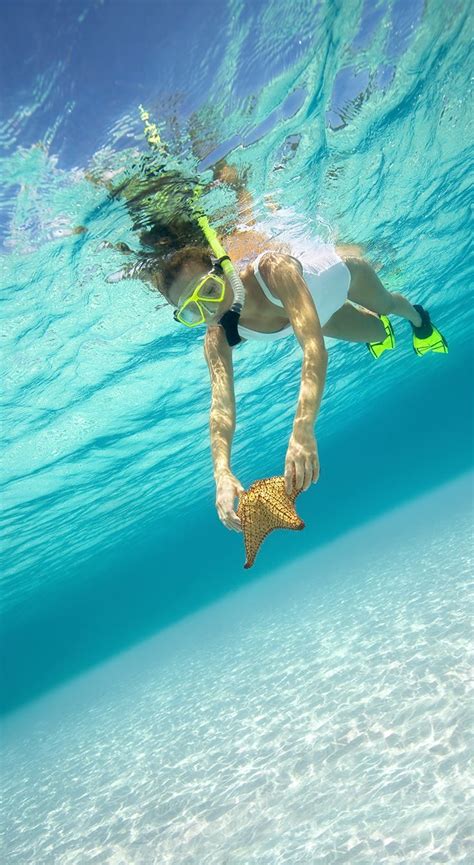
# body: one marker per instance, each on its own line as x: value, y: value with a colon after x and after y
x: 283, y: 277
x: 222, y: 424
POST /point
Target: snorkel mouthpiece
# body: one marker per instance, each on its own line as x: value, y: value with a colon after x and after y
x: 230, y: 323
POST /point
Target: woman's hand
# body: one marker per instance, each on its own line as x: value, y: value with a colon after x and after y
x: 228, y: 489
x: 302, y: 461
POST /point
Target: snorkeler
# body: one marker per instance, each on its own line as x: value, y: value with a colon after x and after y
x: 310, y: 296
x: 306, y: 290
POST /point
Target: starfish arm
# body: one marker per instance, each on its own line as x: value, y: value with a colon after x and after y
x: 264, y: 508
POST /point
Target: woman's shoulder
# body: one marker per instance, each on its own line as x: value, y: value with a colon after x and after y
x: 273, y: 261
x: 245, y: 245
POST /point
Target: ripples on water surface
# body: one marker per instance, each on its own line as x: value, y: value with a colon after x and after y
x: 354, y: 120
x: 351, y: 121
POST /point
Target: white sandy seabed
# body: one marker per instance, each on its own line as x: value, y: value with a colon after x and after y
x: 320, y: 716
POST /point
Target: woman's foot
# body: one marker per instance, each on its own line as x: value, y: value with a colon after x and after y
x: 378, y: 348
x: 427, y: 337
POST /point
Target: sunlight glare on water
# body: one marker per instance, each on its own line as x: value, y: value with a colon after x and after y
x: 371, y: 150
x: 315, y: 710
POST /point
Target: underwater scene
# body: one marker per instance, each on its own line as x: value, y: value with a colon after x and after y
x: 175, y: 692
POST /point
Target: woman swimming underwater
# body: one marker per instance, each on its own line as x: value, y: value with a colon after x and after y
x: 308, y: 295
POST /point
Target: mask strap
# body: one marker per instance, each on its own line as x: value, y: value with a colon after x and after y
x: 217, y: 262
x: 229, y: 322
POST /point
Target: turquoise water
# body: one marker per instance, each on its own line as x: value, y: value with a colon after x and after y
x: 353, y: 122
x: 320, y: 716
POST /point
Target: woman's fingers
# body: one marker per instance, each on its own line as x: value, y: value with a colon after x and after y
x: 231, y: 521
x: 294, y: 475
x: 229, y: 518
x: 300, y: 473
x: 308, y: 473
x: 315, y: 472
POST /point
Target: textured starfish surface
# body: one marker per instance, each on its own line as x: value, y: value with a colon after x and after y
x: 263, y: 507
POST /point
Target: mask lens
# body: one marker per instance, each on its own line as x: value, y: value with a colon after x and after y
x: 207, y: 293
x: 191, y: 313
x: 212, y: 289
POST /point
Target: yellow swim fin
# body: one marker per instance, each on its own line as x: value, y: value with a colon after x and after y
x: 427, y: 337
x: 378, y: 348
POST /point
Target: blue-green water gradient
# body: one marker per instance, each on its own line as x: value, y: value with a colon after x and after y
x: 351, y: 119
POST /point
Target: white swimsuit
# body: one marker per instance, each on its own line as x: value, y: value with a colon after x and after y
x: 327, y: 278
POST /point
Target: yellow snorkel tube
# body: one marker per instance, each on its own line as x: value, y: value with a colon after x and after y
x: 230, y: 319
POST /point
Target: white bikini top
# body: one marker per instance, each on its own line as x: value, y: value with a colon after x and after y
x: 246, y: 332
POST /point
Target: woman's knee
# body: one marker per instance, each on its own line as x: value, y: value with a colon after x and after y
x: 353, y: 324
x: 359, y: 269
x: 366, y: 289
x: 349, y: 250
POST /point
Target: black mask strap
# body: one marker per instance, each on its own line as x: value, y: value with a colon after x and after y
x: 217, y: 262
x: 229, y: 322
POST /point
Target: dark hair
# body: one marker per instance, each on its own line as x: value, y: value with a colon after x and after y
x: 172, y: 266
x: 168, y: 237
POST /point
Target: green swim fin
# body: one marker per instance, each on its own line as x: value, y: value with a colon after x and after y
x: 427, y: 337
x: 378, y: 348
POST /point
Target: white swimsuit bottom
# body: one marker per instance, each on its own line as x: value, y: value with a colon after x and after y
x: 327, y: 277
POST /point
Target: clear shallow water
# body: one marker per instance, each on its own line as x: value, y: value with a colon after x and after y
x: 358, y: 123
x: 321, y: 716
x: 98, y: 403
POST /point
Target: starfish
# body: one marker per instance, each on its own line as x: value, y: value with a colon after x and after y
x: 263, y: 507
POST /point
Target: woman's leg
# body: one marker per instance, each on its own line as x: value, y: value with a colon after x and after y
x: 355, y: 325
x: 367, y: 290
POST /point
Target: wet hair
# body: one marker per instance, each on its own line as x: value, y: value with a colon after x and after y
x: 171, y: 267
x: 168, y: 237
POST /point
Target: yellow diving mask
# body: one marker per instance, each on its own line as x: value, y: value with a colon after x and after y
x: 210, y: 289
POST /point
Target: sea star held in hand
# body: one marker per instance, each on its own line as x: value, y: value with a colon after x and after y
x: 263, y: 507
